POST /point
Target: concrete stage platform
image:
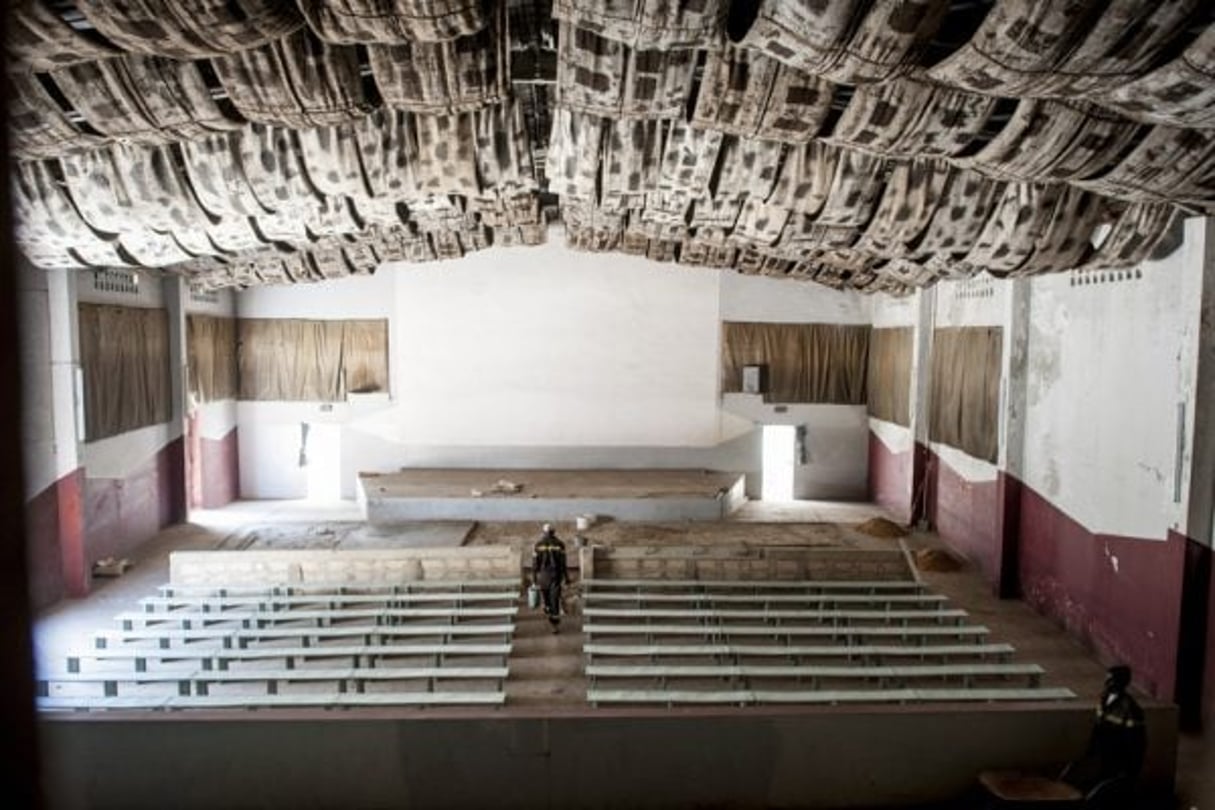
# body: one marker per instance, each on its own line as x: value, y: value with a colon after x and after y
x: 467, y: 494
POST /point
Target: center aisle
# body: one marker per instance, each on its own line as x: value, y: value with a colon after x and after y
x: 546, y: 669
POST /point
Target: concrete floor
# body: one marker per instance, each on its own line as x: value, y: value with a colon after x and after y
x: 546, y: 668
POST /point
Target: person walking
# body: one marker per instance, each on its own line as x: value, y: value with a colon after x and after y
x: 549, y: 573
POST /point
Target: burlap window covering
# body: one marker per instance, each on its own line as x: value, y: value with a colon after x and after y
x: 965, y: 389
x: 124, y: 353
x: 889, y: 380
x: 311, y: 361
x: 211, y: 357
x: 365, y: 356
x: 824, y: 363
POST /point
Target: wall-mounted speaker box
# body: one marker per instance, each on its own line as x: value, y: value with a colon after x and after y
x: 754, y: 379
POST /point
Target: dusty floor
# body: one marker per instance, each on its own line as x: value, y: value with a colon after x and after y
x: 546, y: 669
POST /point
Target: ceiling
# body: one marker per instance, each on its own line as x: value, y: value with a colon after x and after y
x: 878, y: 145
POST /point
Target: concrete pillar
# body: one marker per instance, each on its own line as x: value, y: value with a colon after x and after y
x: 67, y: 387
x: 1011, y: 460
x: 175, y: 291
x: 921, y: 387
x: 1195, y: 494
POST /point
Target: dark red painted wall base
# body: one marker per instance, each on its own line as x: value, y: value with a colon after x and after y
x: 965, y: 515
x: 1121, y: 595
x: 890, y: 479
x: 1208, y: 693
x: 54, y: 543
x: 120, y: 514
x: 220, y: 470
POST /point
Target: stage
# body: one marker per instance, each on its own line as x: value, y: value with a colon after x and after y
x: 544, y: 495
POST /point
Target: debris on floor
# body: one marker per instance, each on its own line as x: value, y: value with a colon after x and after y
x: 936, y: 559
x: 881, y: 527
x: 110, y: 567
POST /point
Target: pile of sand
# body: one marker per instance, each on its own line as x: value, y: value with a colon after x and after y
x: 880, y: 527
x: 935, y: 559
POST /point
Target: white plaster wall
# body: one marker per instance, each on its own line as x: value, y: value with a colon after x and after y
x: 1107, y: 365
x: 897, y: 438
x: 216, y: 419
x: 889, y: 312
x: 120, y: 456
x: 546, y: 346
x: 837, y: 446
x: 38, y: 423
x: 780, y: 300
x: 351, y: 297
x: 220, y: 303
x: 980, y: 301
x: 149, y: 294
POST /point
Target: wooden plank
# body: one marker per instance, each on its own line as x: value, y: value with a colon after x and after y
x: 332, y: 700
x: 240, y: 636
x: 337, y: 588
x: 221, y: 655
x: 758, y: 585
x: 337, y: 700
x: 784, y: 630
x: 748, y: 696
x: 725, y: 614
x: 775, y: 598
x: 961, y: 671
x: 265, y: 602
x: 256, y: 617
x: 796, y: 650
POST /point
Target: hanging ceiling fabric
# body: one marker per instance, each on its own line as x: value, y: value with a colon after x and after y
x: 38, y: 39
x: 441, y: 77
x: 352, y: 22
x: 257, y: 141
x: 297, y: 81
x: 191, y: 29
x: 143, y: 99
x: 648, y: 23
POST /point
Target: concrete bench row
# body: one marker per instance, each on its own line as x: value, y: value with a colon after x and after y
x: 326, y: 701
x: 799, y: 652
x: 217, y: 657
x: 466, y: 586
x: 271, y: 602
x: 755, y: 586
x: 255, y: 618
x: 201, y: 679
x: 749, y: 697
x: 786, y: 632
x: 962, y: 674
x: 165, y: 637
x: 724, y: 615
x: 643, y: 599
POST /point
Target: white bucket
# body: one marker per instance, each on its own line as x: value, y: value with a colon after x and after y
x: 583, y: 522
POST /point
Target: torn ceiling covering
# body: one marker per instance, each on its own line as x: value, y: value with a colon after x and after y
x: 866, y: 145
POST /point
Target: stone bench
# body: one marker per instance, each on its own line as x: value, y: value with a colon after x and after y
x: 221, y: 656
x: 705, y: 599
x: 271, y: 603
x: 923, y: 632
x: 964, y: 673
x: 254, y: 618
x: 240, y: 637
x: 796, y: 652
x: 333, y: 700
x: 339, y: 588
x: 201, y: 679
x: 725, y: 614
x: 757, y: 586
x: 748, y: 697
